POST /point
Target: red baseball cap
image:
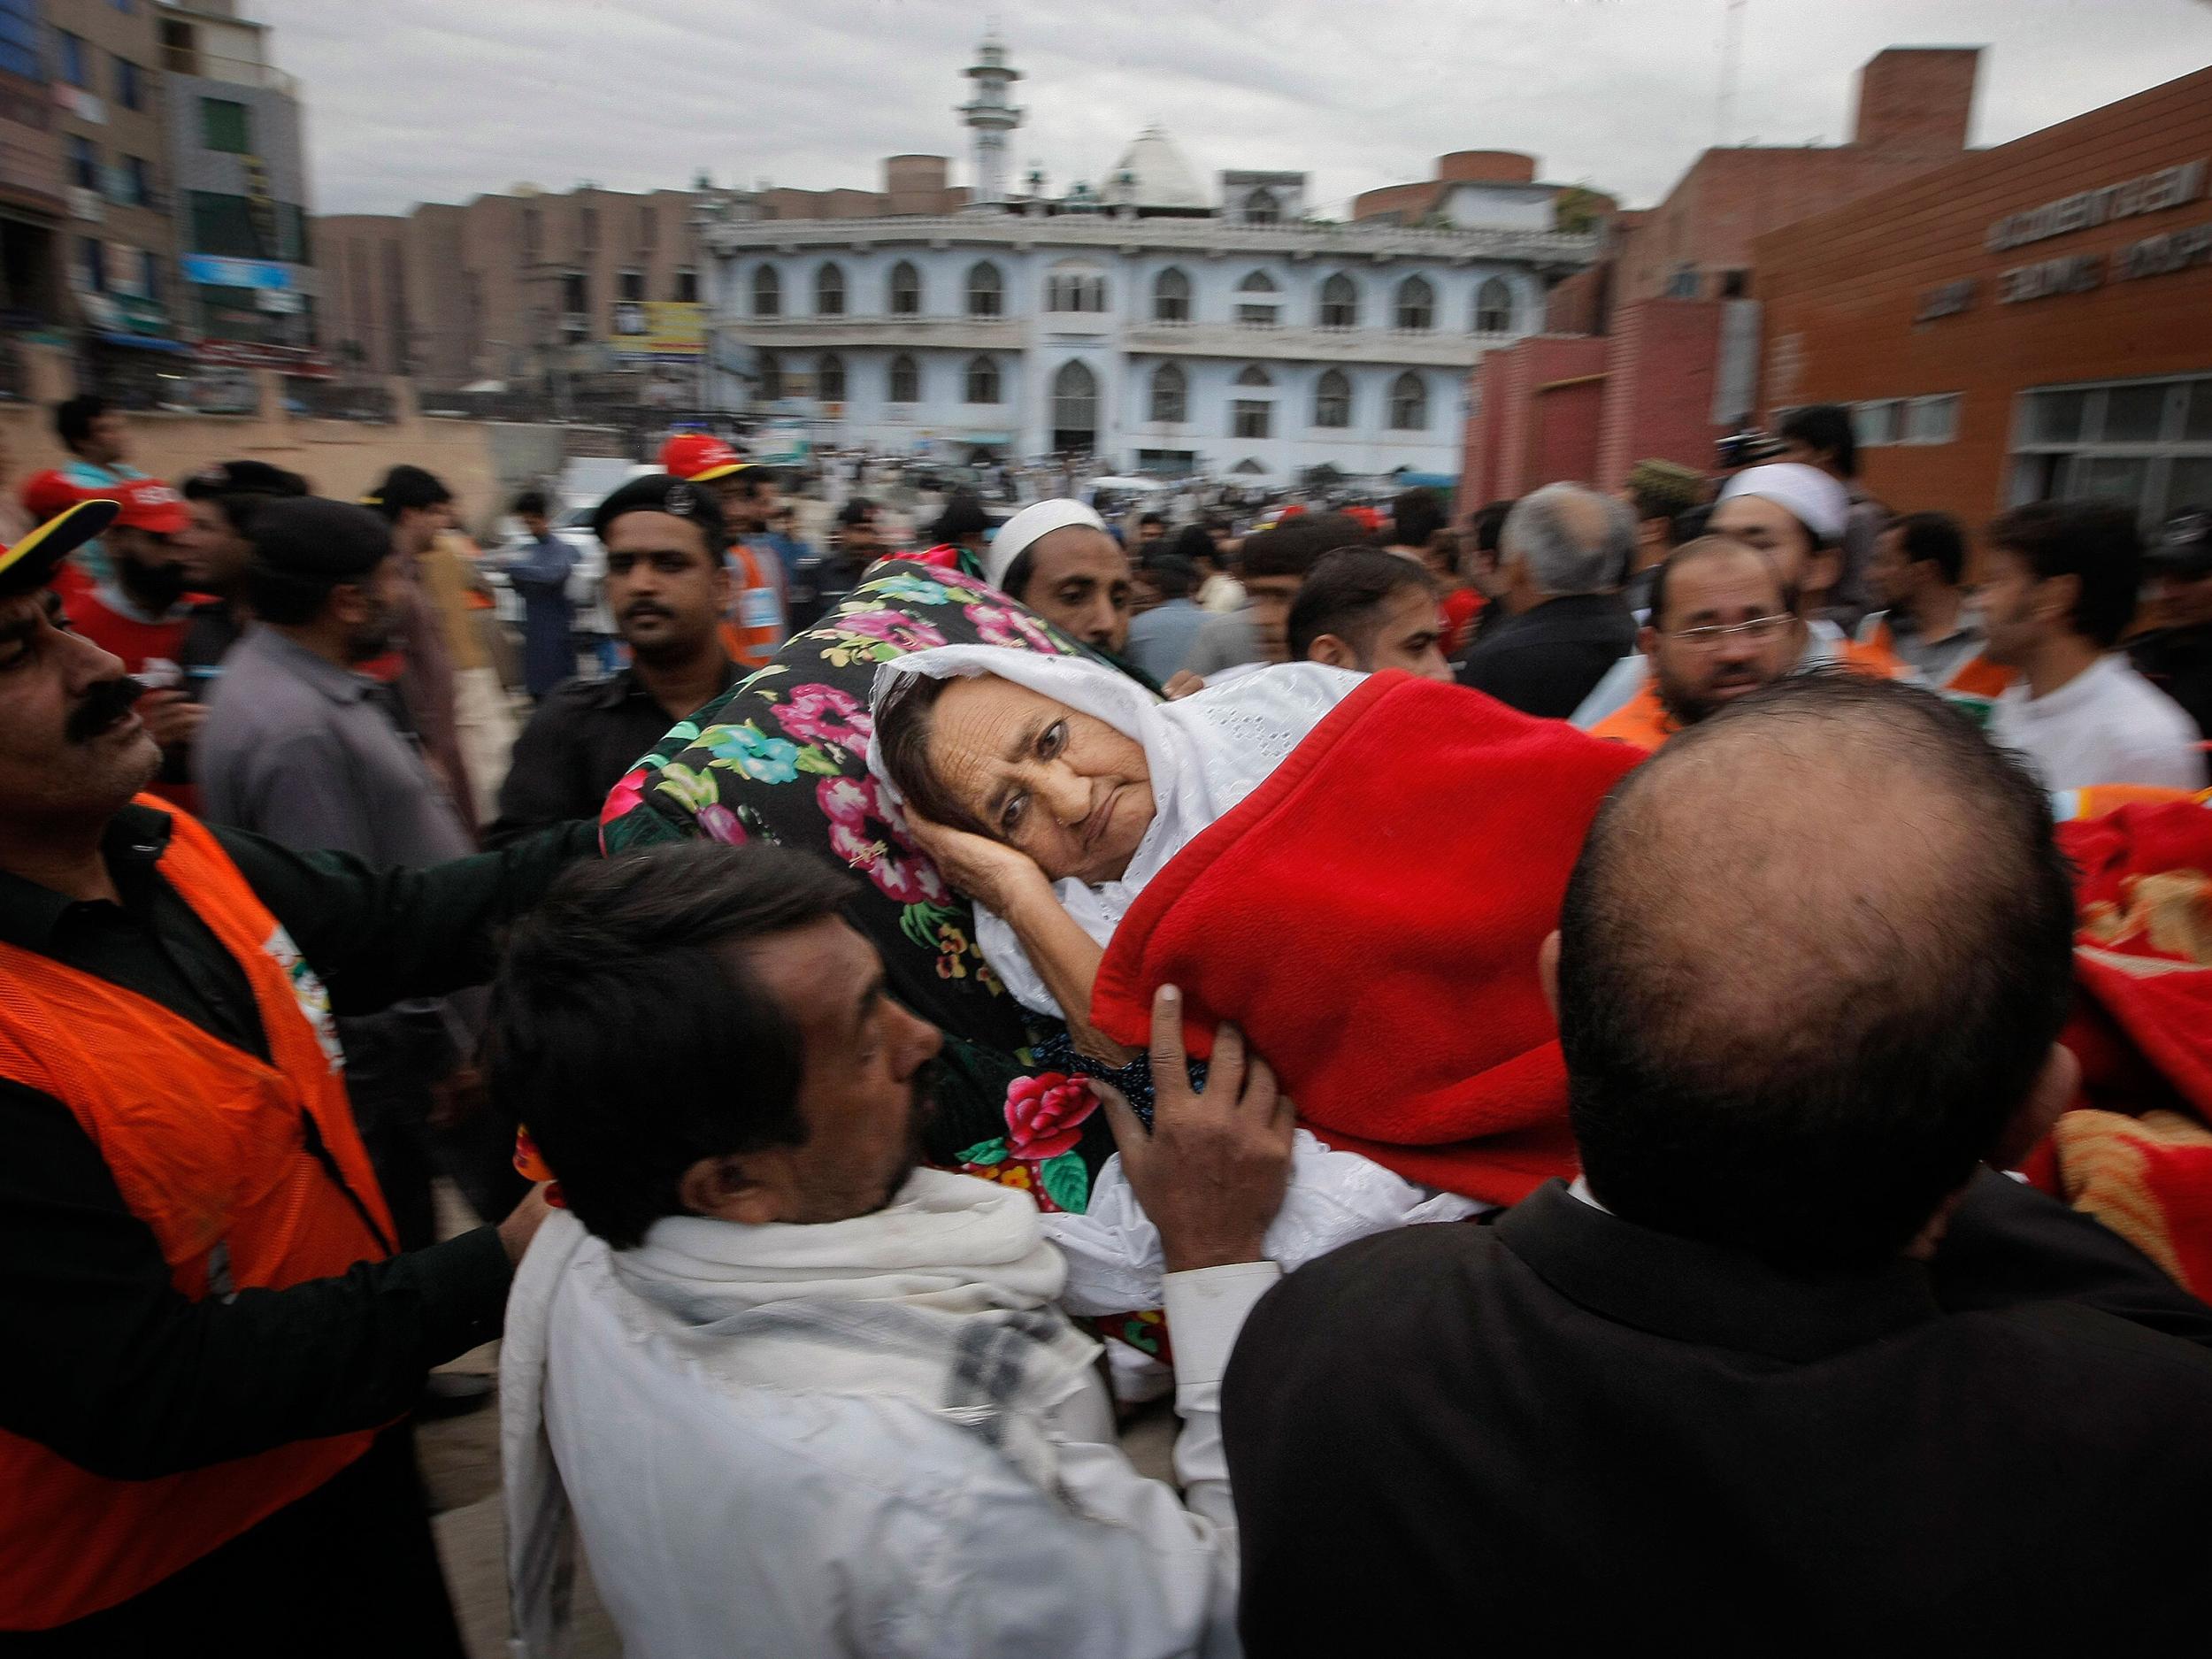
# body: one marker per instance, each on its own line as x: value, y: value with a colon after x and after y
x: 47, y: 495
x: 699, y: 456
x: 148, y: 505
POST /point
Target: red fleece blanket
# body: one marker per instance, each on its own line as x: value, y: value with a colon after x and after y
x: 2137, y: 1153
x: 1370, y: 917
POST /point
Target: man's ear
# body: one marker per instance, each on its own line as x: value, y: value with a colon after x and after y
x: 2056, y: 597
x: 754, y: 1188
x: 1328, y: 648
x: 1648, y: 639
x: 1547, y: 970
x: 2053, y: 1090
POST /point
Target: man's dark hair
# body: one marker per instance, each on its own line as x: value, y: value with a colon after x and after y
x: 1174, y: 576
x: 1196, y: 543
x: 1932, y: 538
x: 2095, y: 542
x: 405, y: 486
x: 1291, y: 547
x: 1416, y: 515
x: 1150, y: 518
x: 645, y: 955
x: 1345, y: 593
x: 1758, y: 1062
x: 906, y: 715
x: 1824, y: 428
x: 1487, y: 524
x: 73, y: 418
x: 530, y: 504
x: 237, y: 488
x: 1705, y: 547
x: 963, y: 516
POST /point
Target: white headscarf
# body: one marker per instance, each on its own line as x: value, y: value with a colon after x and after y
x: 1038, y: 519
x: 1205, y: 754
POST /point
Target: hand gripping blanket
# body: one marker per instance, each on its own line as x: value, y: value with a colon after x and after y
x: 1370, y: 916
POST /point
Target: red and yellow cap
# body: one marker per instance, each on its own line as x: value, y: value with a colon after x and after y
x: 698, y: 456
x: 31, y: 563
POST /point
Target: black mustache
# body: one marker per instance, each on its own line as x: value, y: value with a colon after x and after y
x: 647, y: 608
x: 108, y: 701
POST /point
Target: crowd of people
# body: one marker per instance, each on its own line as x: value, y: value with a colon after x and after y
x: 1551, y: 1035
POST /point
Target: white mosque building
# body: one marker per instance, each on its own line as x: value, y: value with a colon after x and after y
x: 1143, y: 322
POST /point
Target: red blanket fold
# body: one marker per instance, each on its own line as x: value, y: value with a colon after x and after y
x: 2139, y: 1154
x: 1370, y: 916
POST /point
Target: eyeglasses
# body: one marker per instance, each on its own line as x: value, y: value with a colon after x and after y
x: 1758, y: 630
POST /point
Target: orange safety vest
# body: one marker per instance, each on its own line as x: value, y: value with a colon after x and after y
x: 754, y: 628
x: 235, y: 1165
x: 1976, y: 676
x: 1644, y: 721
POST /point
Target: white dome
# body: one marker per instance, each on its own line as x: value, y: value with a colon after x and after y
x: 1157, y: 175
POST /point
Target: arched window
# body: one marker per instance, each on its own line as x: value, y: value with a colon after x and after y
x: 1248, y: 469
x: 1170, y: 394
x: 1074, y: 407
x: 770, y: 377
x: 767, y: 292
x: 1171, y: 296
x: 1416, y: 303
x: 982, y: 381
x: 1252, y: 374
x: 1256, y: 300
x: 987, y: 294
x: 1262, y: 208
x: 906, y: 291
x: 1251, y: 416
x: 1074, y: 291
x: 829, y: 291
x: 1332, y: 400
x: 1340, y: 303
x: 1493, y: 308
x: 1409, y: 404
x: 829, y: 378
x: 906, y: 380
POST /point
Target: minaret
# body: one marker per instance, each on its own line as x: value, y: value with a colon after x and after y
x: 993, y: 118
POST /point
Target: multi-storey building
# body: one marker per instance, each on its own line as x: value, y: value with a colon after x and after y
x: 34, y: 209
x: 1141, y: 322
x: 239, y: 189
x: 103, y: 63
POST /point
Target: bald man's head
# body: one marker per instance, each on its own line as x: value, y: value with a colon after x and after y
x: 1812, y: 961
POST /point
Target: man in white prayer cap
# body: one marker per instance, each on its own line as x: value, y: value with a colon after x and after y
x: 1056, y: 557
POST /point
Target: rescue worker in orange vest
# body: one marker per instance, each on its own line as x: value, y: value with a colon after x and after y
x: 747, y: 495
x: 1723, y: 623
x: 1925, y: 622
x: 210, y: 1344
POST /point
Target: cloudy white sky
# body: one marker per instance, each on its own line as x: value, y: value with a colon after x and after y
x: 439, y: 100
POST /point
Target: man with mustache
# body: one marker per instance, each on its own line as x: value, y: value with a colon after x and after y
x: 1723, y: 623
x: 211, y: 1343
x: 667, y: 589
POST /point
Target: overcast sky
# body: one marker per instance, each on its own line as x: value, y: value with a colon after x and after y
x: 441, y: 100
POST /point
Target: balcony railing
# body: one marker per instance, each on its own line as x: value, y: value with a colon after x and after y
x: 235, y: 71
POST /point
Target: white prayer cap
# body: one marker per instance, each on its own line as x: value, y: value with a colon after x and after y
x: 1038, y: 519
x: 1809, y: 494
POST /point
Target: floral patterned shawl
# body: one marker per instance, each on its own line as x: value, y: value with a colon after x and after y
x: 782, y: 758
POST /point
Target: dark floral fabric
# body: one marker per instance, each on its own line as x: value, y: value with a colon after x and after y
x: 782, y: 758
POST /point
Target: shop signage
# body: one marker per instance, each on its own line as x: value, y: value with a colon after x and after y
x: 211, y: 272
x: 2153, y: 193
x: 660, y: 329
x: 251, y: 354
x: 2076, y: 274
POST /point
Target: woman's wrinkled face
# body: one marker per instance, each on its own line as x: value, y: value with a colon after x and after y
x: 1065, y: 788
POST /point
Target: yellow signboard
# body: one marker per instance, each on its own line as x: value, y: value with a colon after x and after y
x: 660, y: 328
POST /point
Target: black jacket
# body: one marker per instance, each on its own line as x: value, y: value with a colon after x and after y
x: 1566, y: 1429
x: 1545, y: 662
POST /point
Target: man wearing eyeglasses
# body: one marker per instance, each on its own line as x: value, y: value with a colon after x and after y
x: 1723, y: 623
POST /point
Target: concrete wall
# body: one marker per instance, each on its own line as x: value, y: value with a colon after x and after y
x: 1660, y: 362
x: 483, y: 463
x: 1533, y: 418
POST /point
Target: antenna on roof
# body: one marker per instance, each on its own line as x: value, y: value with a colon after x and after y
x: 1731, y: 53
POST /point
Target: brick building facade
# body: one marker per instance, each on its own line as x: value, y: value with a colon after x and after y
x: 2033, y: 320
